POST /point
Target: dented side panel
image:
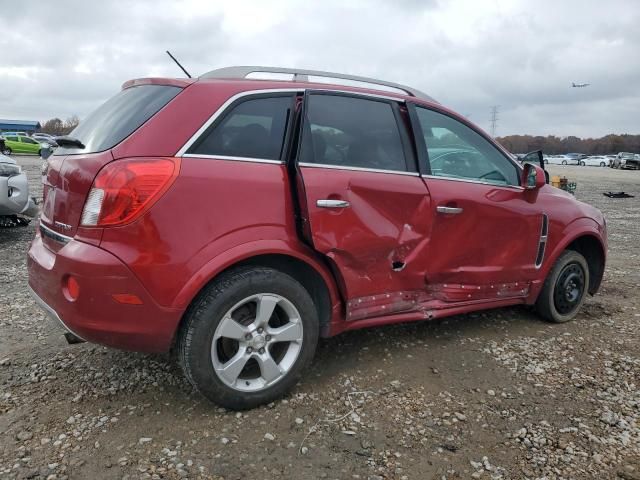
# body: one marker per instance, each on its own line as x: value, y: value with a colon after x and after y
x: 378, y: 243
x: 433, y: 297
x: 395, y: 253
x: 492, y: 241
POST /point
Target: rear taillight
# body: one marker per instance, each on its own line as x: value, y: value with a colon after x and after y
x: 124, y: 189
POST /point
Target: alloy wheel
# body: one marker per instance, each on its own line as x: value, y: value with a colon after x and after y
x: 257, y: 342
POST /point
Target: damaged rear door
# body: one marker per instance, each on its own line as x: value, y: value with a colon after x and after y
x: 364, y: 204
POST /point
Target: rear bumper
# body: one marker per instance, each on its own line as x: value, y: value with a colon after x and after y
x: 95, y: 316
x: 51, y: 313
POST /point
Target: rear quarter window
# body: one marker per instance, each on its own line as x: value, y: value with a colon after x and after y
x: 254, y: 128
x: 119, y: 117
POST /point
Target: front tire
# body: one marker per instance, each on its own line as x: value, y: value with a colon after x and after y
x: 248, y: 337
x: 564, y: 289
x: 564, y: 162
x: 583, y: 164
x: 602, y: 164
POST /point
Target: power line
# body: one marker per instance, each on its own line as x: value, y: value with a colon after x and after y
x: 495, y: 110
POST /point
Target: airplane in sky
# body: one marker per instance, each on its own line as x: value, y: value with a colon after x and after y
x: 580, y: 85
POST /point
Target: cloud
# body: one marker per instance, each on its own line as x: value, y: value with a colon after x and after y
x: 66, y: 57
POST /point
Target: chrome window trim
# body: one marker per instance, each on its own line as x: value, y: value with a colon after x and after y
x: 329, y: 91
x: 358, y: 169
x: 440, y: 177
x: 236, y: 159
x: 55, y: 235
x: 223, y: 108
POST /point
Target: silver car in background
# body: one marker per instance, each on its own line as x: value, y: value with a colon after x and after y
x: 15, y: 201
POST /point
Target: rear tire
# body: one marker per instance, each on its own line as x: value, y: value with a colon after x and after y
x: 564, y: 289
x: 6, y: 151
x: 602, y: 164
x: 564, y: 162
x: 583, y: 164
x: 224, y: 328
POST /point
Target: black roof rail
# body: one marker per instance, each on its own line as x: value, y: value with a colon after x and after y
x: 299, y: 75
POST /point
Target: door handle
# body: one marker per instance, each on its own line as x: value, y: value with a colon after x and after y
x: 328, y: 203
x: 449, y: 210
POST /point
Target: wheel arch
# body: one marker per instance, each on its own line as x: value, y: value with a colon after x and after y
x: 590, y: 245
x: 304, y: 273
x: 314, y: 276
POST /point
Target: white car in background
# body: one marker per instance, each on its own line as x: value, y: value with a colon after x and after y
x: 15, y: 201
x: 560, y: 160
x: 595, y: 161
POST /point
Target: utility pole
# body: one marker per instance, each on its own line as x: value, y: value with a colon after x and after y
x: 495, y: 110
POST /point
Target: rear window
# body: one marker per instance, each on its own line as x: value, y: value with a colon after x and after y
x: 119, y: 117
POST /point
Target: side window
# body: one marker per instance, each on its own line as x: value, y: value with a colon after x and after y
x: 254, y: 128
x: 12, y: 139
x: 351, y: 132
x: 27, y: 140
x: 457, y: 151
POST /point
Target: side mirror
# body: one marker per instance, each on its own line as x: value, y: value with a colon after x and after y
x: 46, y: 151
x: 534, y: 157
x: 533, y: 177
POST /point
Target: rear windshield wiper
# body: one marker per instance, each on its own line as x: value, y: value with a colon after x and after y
x: 67, y: 141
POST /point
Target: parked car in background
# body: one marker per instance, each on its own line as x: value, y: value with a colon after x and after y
x: 22, y: 134
x: 595, y: 161
x: 627, y: 160
x: 15, y: 200
x: 20, y: 144
x: 238, y: 220
x: 561, y: 160
x: 576, y: 156
x: 45, y: 138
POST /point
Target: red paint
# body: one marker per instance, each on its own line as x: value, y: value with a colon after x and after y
x: 391, y: 257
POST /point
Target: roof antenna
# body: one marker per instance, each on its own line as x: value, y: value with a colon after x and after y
x: 178, y: 63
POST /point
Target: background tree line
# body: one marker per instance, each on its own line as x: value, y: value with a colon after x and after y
x: 55, y: 126
x: 609, y: 144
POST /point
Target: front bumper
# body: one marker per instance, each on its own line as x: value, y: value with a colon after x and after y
x: 95, y: 316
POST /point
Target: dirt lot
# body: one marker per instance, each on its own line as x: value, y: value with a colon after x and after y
x: 498, y: 394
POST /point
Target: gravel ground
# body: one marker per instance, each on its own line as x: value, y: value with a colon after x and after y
x: 494, y: 395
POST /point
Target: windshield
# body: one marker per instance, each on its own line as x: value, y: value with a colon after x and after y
x: 119, y: 117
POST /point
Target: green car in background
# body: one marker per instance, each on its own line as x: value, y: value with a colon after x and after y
x: 20, y: 144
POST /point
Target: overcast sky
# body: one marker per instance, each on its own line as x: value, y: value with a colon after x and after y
x: 63, y: 57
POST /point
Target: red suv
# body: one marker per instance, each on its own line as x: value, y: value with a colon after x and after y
x: 239, y: 216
